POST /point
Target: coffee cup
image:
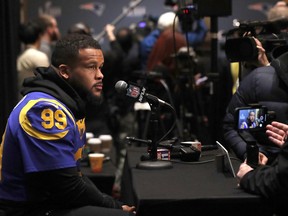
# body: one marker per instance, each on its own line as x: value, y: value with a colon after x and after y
x: 94, y: 145
x: 107, y: 142
x: 96, y: 162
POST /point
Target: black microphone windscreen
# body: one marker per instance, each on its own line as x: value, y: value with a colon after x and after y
x: 121, y: 86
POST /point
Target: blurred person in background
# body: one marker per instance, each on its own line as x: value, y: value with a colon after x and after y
x: 278, y: 11
x: 278, y: 31
x: 121, y: 62
x: 80, y: 28
x: 30, y: 34
x: 195, y: 36
x: 50, y: 34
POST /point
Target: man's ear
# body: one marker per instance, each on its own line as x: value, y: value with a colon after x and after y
x: 64, y: 71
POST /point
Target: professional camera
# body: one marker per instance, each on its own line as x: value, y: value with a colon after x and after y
x: 217, y: 8
x: 187, y: 13
x: 253, y: 118
x: 240, y: 45
x: 191, y: 10
x: 187, y: 16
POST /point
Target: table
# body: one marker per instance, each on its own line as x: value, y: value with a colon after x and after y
x: 104, y: 180
x: 186, y: 189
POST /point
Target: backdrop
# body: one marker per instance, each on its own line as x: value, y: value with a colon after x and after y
x: 98, y: 13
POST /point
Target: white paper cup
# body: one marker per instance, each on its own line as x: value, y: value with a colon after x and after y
x: 86, y: 150
x: 94, y: 145
x: 107, y: 142
x: 89, y: 135
x: 96, y: 162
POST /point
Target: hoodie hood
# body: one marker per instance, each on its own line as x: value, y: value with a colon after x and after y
x: 48, y: 81
x: 281, y: 65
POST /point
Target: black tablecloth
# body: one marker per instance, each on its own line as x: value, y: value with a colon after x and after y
x: 104, y: 180
x: 187, y: 189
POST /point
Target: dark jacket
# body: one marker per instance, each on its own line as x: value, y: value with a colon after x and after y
x: 266, y: 86
x: 270, y: 182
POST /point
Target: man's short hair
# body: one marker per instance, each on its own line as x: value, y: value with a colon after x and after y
x: 29, y: 32
x: 79, y: 28
x: 44, y: 21
x: 67, y: 49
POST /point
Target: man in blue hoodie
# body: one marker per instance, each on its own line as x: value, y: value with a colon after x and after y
x: 41, y: 148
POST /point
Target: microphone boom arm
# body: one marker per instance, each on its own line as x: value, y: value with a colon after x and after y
x: 119, y: 18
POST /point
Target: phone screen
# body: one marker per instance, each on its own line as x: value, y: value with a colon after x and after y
x: 249, y: 118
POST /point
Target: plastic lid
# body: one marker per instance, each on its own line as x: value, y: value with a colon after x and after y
x: 105, y: 137
x: 94, y: 141
x: 89, y: 135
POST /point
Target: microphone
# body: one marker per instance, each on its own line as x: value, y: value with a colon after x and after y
x: 137, y: 92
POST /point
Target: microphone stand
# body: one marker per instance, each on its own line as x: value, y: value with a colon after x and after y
x: 153, y: 162
x: 154, y: 123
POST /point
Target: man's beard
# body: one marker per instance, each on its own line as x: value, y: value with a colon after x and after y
x: 93, y: 100
x: 54, y: 37
x: 87, y: 95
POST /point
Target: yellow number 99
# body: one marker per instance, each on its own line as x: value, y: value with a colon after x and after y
x: 50, y: 119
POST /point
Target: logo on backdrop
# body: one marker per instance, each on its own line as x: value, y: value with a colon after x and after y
x: 95, y: 7
x: 50, y: 9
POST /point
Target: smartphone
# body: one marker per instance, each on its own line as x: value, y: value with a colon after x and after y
x: 251, y: 118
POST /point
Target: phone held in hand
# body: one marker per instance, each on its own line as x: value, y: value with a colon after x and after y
x: 251, y: 118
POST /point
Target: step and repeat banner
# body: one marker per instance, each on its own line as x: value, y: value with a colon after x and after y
x: 98, y: 13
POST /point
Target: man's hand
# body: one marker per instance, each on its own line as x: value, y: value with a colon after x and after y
x: 277, y: 132
x: 243, y: 169
x: 262, y: 159
x: 110, y: 32
x: 262, y: 58
x: 129, y: 208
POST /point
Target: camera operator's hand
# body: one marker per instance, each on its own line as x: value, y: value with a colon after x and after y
x: 262, y: 58
x: 277, y: 132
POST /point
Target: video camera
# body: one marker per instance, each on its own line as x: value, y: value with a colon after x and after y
x: 253, y: 118
x: 191, y: 10
x: 240, y: 45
